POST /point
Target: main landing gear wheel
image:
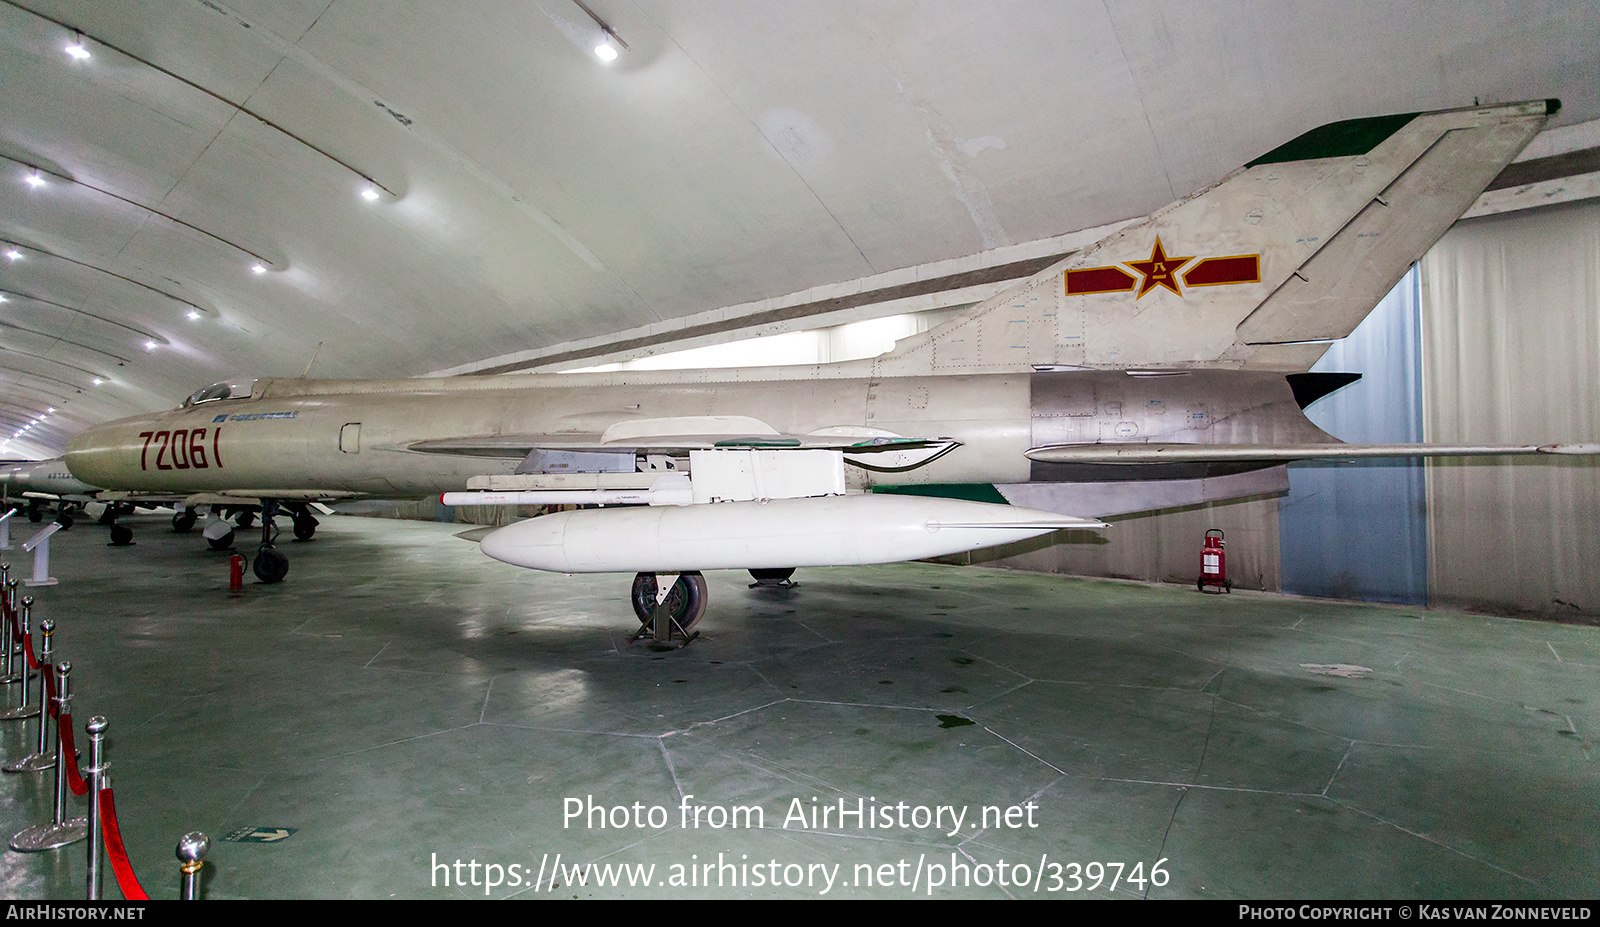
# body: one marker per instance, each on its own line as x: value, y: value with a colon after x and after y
x: 65, y: 521
x: 35, y: 514
x: 271, y: 566
x: 183, y: 522
x: 305, y: 528
x: 221, y: 542
x: 121, y: 535
x: 684, y: 606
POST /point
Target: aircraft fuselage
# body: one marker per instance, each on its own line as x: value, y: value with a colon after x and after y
x: 323, y: 436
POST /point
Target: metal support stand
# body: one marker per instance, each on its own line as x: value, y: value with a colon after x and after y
x: 5, y: 529
x: 40, y: 760
x: 39, y: 546
x: 192, y: 849
x: 99, y: 779
x: 661, y: 627
x: 62, y: 832
x: 22, y: 675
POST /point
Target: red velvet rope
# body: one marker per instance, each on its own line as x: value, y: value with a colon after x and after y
x: 27, y: 648
x: 49, y: 672
x: 131, y: 889
x: 69, y: 755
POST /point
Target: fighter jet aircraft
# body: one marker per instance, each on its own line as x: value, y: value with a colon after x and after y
x: 1165, y: 365
x: 33, y: 486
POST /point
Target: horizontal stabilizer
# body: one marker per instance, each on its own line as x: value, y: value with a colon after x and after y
x: 1167, y: 453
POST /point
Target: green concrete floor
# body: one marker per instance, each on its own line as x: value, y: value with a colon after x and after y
x: 402, y: 700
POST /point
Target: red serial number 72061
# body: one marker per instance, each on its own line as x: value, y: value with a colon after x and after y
x: 187, y: 449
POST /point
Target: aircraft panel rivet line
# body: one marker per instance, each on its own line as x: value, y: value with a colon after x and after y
x: 60, y: 832
x: 24, y: 710
x: 192, y: 849
x: 39, y: 760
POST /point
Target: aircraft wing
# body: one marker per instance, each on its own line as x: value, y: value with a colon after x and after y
x: 872, y: 448
x: 1279, y: 453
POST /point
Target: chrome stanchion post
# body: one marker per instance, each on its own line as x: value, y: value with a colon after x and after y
x: 192, y: 849
x: 62, y: 832
x: 98, y: 779
x: 24, y: 710
x: 10, y: 635
x: 40, y: 760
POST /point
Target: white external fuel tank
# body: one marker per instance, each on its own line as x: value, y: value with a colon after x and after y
x: 831, y: 531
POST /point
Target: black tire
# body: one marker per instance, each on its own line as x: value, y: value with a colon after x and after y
x: 772, y: 577
x: 686, y: 601
x: 222, y: 543
x: 183, y: 522
x: 36, y: 515
x: 1200, y: 584
x: 121, y: 535
x: 246, y: 519
x: 65, y: 521
x: 271, y: 565
x: 305, y: 528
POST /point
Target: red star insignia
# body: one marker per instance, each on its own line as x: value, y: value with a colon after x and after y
x: 1160, y: 270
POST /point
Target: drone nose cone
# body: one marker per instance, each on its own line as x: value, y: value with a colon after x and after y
x: 535, y: 543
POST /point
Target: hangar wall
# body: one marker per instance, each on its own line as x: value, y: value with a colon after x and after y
x: 1357, y: 528
x: 1511, y: 353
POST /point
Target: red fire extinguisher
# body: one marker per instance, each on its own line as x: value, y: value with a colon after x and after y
x: 236, y: 574
x: 1214, y: 564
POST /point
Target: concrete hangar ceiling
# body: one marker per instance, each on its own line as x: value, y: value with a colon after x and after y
x: 523, y: 198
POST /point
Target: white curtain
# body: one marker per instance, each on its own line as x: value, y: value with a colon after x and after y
x: 1511, y: 354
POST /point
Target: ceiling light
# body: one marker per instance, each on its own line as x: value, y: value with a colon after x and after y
x: 51, y: 409
x: 609, y: 40
x: 14, y: 254
x: 2, y: 297
x: 149, y: 345
x: 35, y: 179
x: 370, y: 193
x: 77, y: 50
x: 194, y: 314
x: 259, y: 269
x: 98, y: 381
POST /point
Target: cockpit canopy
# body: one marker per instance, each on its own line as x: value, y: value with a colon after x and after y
x: 235, y: 389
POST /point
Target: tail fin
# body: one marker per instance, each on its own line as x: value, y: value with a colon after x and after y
x: 1295, y: 247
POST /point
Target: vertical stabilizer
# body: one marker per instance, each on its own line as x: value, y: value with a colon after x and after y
x: 1258, y: 270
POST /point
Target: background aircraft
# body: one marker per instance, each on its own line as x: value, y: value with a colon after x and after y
x: 1164, y: 365
x: 33, y: 486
